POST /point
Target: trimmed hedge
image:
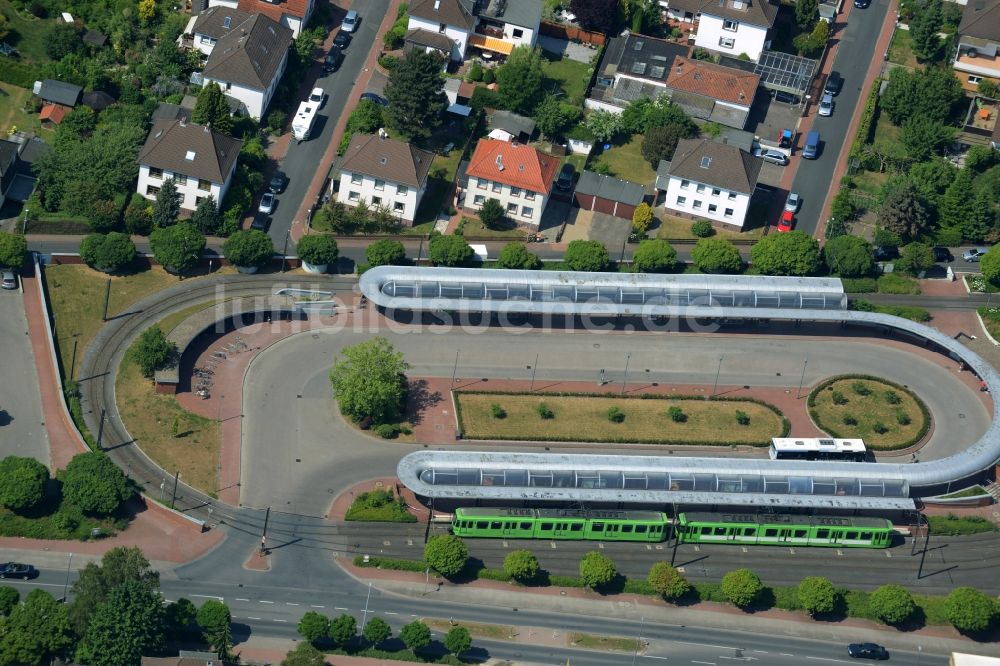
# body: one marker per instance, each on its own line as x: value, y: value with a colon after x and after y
x: 391, y: 564
x: 811, y: 402
x: 860, y: 285
x: 910, y: 312
x: 867, y: 124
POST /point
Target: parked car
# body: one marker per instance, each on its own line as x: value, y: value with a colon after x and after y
x: 17, y: 570
x: 974, y: 254
x: 565, y: 180
x: 867, y: 651
x: 351, y: 21
x: 261, y: 222
x: 793, y: 202
x: 342, y: 40
x: 8, y: 280
x: 278, y: 182
x: 942, y: 254
x: 266, y: 203
x: 826, y: 105
x: 378, y: 99
x: 772, y: 155
x: 318, y: 96
x: 332, y: 61
x: 834, y: 83
x: 787, y: 221
x: 886, y: 253
x: 862, y: 4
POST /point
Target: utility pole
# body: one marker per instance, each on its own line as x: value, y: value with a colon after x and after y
x: 72, y: 364
x: 533, y: 369
x: 100, y: 430
x: 638, y: 641
x: 677, y: 537
x: 802, y: 379
x: 66, y: 582
x: 364, y: 614
x: 420, y: 250
x: 454, y: 371
x: 263, y: 536
x: 173, y: 495
x: 107, y: 298
x: 717, y: 373
x: 628, y: 357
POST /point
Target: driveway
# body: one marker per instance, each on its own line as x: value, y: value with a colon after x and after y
x: 571, y: 50
x: 22, y: 429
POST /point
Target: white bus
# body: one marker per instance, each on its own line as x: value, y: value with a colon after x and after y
x: 813, y: 448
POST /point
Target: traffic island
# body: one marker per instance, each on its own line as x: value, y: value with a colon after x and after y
x: 258, y: 560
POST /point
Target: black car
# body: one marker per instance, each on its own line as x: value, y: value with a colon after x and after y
x: 331, y: 63
x: 278, y: 182
x: 862, y: 4
x: 261, y: 222
x: 565, y: 180
x: 886, y: 253
x: 942, y: 254
x: 342, y: 40
x: 834, y: 83
x: 378, y: 99
x: 17, y: 570
x: 867, y: 651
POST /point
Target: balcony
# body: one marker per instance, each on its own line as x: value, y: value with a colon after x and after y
x: 981, y: 60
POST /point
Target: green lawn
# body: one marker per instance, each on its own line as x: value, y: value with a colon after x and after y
x: 901, y: 49
x: 678, y: 228
x: 626, y: 161
x: 569, y: 76
x: 473, y: 228
x: 12, y: 112
x: 27, y: 33
x: 868, y: 403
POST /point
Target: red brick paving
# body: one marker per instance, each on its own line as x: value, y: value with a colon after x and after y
x: 955, y: 288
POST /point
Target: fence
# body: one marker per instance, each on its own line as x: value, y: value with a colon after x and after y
x: 572, y: 33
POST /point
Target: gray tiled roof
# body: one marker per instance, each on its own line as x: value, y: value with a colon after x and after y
x: 754, y: 12
x: 171, y: 142
x: 388, y: 159
x: 60, y: 92
x: 641, y: 56
x: 525, y: 13
x: 8, y: 156
x: 451, y: 12
x: 212, y: 22
x: 512, y: 123
x: 435, y: 40
x: 610, y: 188
x: 981, y: 18
x: 720, y: 165
x: 250, y: 54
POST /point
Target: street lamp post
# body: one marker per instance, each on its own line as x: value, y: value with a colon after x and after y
x: 66, y: 582
x: 364, y: 614
x: 284, y: 250
x: 802, y: 379
x: 717, y: 373
x: 534, y: 368
x: 454, y: 371
x: 638, y: 641
x: 24, y: 225
x: 628, y: 357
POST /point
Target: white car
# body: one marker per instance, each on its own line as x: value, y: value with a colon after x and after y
x: 771, y: 155
x: 266, y: 203
x: 318, y: 96
x: 826, y: 105
x: 792, y: 202
x: 351, y: 20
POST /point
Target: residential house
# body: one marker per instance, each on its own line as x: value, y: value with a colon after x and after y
x: 293, y: 14
x: 976, y: 58
x: 710, y: 180
x: 510, y: 126
x: 712, y: 92
x: 58, y: 92
x: 459, y: 94
x: 607, y: 194
x: 633, y: 66
x: 490, y: 26
x: 52, y: 114
x: 384, y: 172
x: 200, y: 160
x: 248, y: 61
x: 215, y: 23
x: 519, y: 176
x: 8, y: 167
x: 732, y: 27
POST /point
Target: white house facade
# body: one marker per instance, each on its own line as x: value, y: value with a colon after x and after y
x: 707, y: 201
x: 731, y: 36
x: 384, y: 173
x: 459, y: 37
x: 713, y: 181
x: 518, y: 176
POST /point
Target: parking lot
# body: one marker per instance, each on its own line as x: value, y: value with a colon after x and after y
x: 22, y: 430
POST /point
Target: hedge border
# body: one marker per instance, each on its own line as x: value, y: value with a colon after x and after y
x: 811, y: 402
x: 786, y: 425
x: 867, y: 124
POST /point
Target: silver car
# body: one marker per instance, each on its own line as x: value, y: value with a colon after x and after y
x: 350, y: 23
x: 974, y: 254
x: 826, y: 105
x: 8, y: 280
x: 792, y: 202
x: 772, y: 155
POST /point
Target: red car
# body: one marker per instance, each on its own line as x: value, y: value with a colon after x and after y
x: 787, y: 221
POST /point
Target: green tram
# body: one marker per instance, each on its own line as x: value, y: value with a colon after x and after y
x: 560, y: 524
x: 785, y: 530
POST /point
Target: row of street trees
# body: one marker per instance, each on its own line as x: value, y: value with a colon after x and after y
x: 342, y: 632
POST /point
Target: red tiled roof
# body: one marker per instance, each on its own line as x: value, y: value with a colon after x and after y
x: 275, y: 11
x: 523, y: 166
x: 725, y: 84
x: 54, y: 113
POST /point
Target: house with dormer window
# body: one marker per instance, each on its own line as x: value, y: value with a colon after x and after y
x: 384, y: 173
x: 710, y: 180
x: 731, y: 27
x: 199, y: 160
x: 293, y: 14
x: 213, y: 24
x: 493, y: 27
x: 518, y: 176
x: 977, y: 57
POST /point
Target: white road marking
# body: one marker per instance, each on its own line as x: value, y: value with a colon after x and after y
x: 266, y: 602
x: 281, y: 620
x: 653, y: 656
x: 339, y: 608
x: 315, y: 606
x: 391, y: 613
x: 720, y: 647
x: 709, y: 663
x: 207, y: 596
x: 238, y: 599
x: 289, y: 603
x: 836, y: 661
x: 252, y: 618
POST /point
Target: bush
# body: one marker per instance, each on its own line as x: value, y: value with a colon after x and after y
x: 276, y: 121
x: 970, y: 611
x: 839, y: 398
x: 616, y: 415
x: 849, y: 419
x: 387, y: 430
x: 521, y: 565
x: 741, y: 587
x: 880, y: 428
x: 385, y: 252
x: 379, y: 506
x: 952, y: 525
x: 892, y: 398
x: 177, y: 248
x: 497, y: 411
x: 892, y: 604
x: 677, y: 415
x: 318, y: 249
x: 544, y: 412
x: 860, y: 388
x: 415, y: 635
x: 249, y: 248
x: 597, y: 570
x: 446, y: 554
x: 816, y: 595
x: 742, y: 418
x: 22, y: 482
x: 95, y: 484
x: 902, y: 418
x: 107, y: 252
x: 667, y: 581
x: 702, y: 228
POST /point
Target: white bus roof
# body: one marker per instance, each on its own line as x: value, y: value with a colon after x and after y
x: 817, y: 444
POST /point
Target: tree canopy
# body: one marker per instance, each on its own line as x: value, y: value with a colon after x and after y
x: 817, y: 595
x: 206, y: 217
x: 304, y: 654
x: 849, y: 256
x: 415, y: 635
x: 969, y: 610
x: 521, y: 565
x: 716, y: 255
x: 343, y: 629
x: 668, y: 582
x: 215, y: 622
x: 177, y: 248
x: 368, y: 380
x: 95, y: 582
x: 36, y: 630
x: 597, y: 15
x: 660, y: 142
x: 125, y: 626
x: 415, y: 91
x: 914, y: 258
x: 515, y: 255
x: 928, y: 92
x: 318, y: 249
x: 9, y: 597
x: 519, y: 80
x: 167, y: 207
x: 903, y: 212
x: 491, y: 213
x: 212, y: 109
x: 13, y: 247
x: 790, y: 253
x: 314, y: 626
x: 447, y: 554
x: 989, y: 264
x: 107, y: 252
x: 95, y: 484
x: 596, y: 569
x: 457, y: 640
x: 654, y: 256
x: 385, y: 252
x: 553, y: 117
x: 249, y: 248
x: 586, y: 255
x: 806, y: 13
x: 892, y: 604
x: 377, y: 631
x: 604, y: 125
x: 22, y: 482
x: 449, y: 251
x: 152, y: 351
x: 741, y: 587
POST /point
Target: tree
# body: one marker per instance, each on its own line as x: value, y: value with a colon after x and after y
x: 415, y: 91
x: 584, y: 255
x: 842, y: 207
x: 139, y: 218
x: 128, y: 624
x: 449, y: 251
x: 304, y: 654
x: 95, y: 484
x: 152, y: 351
x: 969, y: 610
x: 107, y: 252
x: 343, y: 629
x: 313, y: 626
x: 641, y: 219
x: 168, y: 204
x: 989, y: 264
x: 13, y: 247
x: 385, y: 252
x: 63, y: 39
x: 415, y: 635
x: 206, y: 217
x: 515, y: 255
x: 849, y: 256
x: 447, y: 554
x: 667, y: 581
x: 806, y: 13
x: 521, y: 565
x: 741, y: 587
x: 596, y: 569
x: 791, y: 253
x: 249, y: 248
x: 923, y: 137
x: 491, y: 213
x: 118, y: 565
x: 215, y: 621
x: 553, y: 117
x: 212, y: 109
x: 597, y: 15
x: 103, y: 215
x: 811, y: 44
x: 318, y: 249
x: 519, y: 80
x: 457, y: 640
x: 654, y: 256
x: 377, y: 631
x: 177, y: 616
x: 368, y: 381
x: 9, y: 597
x: 835, y: 227
x: 660, y: 143
x: 891, y: 604
x: 914, y: 258
x: 904, y: 213
x: 22, y: 482
x: 816, y: 595
x: 36, y: 630
x: 955, y: 205
x: 177, y: 248
x: 924, y: 29
x: 930, y: 92
x: 716, y: 255
x: 604, y: 125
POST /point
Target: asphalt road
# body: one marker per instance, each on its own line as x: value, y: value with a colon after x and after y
x: 22, y: 425
x: 855, y: 54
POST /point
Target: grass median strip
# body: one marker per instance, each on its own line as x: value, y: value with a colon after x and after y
x: 499, y: 632
x: 608, y: 643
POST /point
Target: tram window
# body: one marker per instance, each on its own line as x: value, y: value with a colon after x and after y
x: 481, y: 525
x: 750, y: 531
x: 525, y: 526
x: 771, y: 532
x: 546, y: 527
x: 719, y: 531
x: 800, y: 534
x: 866, y: 536
x: 706, y: 530
x: 597, y: 527
x: 506, y: 526
x: 822, y: 534
x: 852, y: 535
x: 576, y: 527
x: 612, y: 528
x: 640, y: 529
x: 495, y: 525
x: 626, y: 528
